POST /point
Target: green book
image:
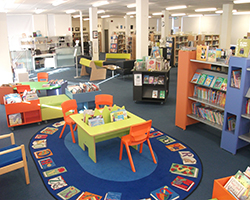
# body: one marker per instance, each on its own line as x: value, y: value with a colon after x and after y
x: 242, y: 48
x: 218, y: 82
x: 202, y: 79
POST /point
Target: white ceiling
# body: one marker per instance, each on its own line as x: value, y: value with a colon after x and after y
x: 115, y: 8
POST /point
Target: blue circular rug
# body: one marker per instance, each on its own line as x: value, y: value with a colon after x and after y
x: 77, y: 173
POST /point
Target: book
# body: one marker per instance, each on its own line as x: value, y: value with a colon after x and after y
x: 201, y: 52
x: 182, y: 183
x: 156, y: 52
x: 242, y: 48
x: 155, y: 94
x: 37, y: 144
x: 218, y: 82
x: 57, y: 182
x: 145, y: 79
x: 245, y: 181
x: 162, y: 94
x: 196, y: 77
x: 218, y: 53
x: 187, y: 157
x: 46, y: 163
x: 43, y: 153
x: 208, y: 80
x: 58, y: 124
x: 113, y: 196
x: 236, y: 78
x: 161, y: 80
x: 155, y: 134
x: 41, y: 136
x: 166, y: 139
x: 235, y: 187
x: 184, y: 170
x: 54, y: 172
x: 68, y: 193
x: 164, y: 192
x: 95, y: 121
x: 88, y: 196
x: 176, y: 147
x: 211, y: 55
x: 156, y: 80
x: 151, y: 64
x: 202, y: 79
x: 49, y: 130
x: 118, y: 115
x: 224, y: 85
x: 151, y: 80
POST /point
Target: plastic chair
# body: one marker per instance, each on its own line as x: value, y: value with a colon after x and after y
x: 42, y: 77
x: 67, y: 107
x: 103, y: 99
x: 21, y: 88
x: 138, y: 134
x: 13, y: 157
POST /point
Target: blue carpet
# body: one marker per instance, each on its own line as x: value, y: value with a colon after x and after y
x: 111, y: 174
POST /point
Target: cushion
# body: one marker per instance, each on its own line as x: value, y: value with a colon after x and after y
x: 10, y: 158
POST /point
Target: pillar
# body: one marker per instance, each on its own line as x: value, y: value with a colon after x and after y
x: 93, y: 31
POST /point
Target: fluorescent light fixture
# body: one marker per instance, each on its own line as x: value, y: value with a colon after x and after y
x: 195, y: 15
x: 205, y: 9
x: 131, y: 13
x: 105, y: 16
x: 176, y: 7
x: 76, y: 16
x: 149, y: 16
x: 241, y: 1
x: 70, y: 11
x: 242, y: 13
x: 131, y: 5
x: 100, y: 11
x: 178, y: 14
x: 159, y: 13
x: 100, y: 3
x: 131, y: 16
x: 58, y: 2
x: 86, y: 19
x: 38, y: 11
x: 221, y: 11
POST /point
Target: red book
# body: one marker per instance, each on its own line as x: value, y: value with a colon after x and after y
x: 182, y: 183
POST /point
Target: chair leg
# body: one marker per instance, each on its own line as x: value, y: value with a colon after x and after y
x: 151, y: 151
x: 130, y: 158
x: 63, y: 130
x: 75, y: 127
x: 72, y: 134
x: 25, y: 165
x: 121, y: 150
x: 141, y: 146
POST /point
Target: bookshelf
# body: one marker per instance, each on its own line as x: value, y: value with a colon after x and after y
x: 121, y: 42
x: 131, y: 43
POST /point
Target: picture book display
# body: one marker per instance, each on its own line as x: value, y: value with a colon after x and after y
x: 43, y: 153
x: 201, y: 52
x: 166, y: 139
x: 89, y: 196
x: 118, y: 115
x: 113, y: 196
x: 218, y: 82
x: 196, y: 77
x: 182, y: 183
x: 202, y: 79
x: 68, y: 192
x: 57, y: 182
x: 242, y: 48
x: 54, y: 172
x: 46, y: 163
x: 184, y: 170
x: 49, y: 130
x: 208, y: 80
x: 163, y: 193
x: 176, y: 147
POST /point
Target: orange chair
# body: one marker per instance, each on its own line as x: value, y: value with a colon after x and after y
x: 42, y: 77
x: 21, y: 88
x: 103, y: 99
x: 138, y: 134
x: 67, y: 107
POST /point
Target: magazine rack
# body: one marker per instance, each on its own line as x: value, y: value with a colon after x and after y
x: 219, y: 191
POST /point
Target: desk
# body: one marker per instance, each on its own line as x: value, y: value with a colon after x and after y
x: 89, y: 136
x: 47, y: 55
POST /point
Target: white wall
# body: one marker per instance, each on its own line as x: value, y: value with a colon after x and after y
x: 210, y: 24
x: 40, y: 23
x: 62, y: 25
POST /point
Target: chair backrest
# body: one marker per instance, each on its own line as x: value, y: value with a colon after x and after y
x: 42, y: 77
x: 21, y: 88
x: 140, y: 132
x: 103, y: 99
x: 68, y: 106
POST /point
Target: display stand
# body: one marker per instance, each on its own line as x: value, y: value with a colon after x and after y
x: 219, y: 191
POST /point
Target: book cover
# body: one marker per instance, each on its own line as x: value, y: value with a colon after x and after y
x: 58, y: 124
x: 113, y: 196
x: 49, y: 130
x: 54, y: 172
x: 43, y: 153
x: 224, y: 85
x: 208, y: 80
x: 176, y: 147
x: 151, y: 64
x: 155, y: 134
x: 162, y: 94
x: 163, y: 193
x: 151, y: 80
x: 155, y: 94
x: 57, y: 182
x: 235, y: 187
x: 89, y: 196
x: 161, y: 80
x: 38, y: 144
x: 118, y: 115
x: 202, y: 79
x: 218, y: 82
x: 95, y: 121
x: 166, y: 139
x: 218, y: 53
x: 187, y: 157
x: 196, y: 77
x: 201, y: 52
x: 242, y: 48
x: 245, y: 181
x: 68, y: 192
x: 184, y: 170
x: 236, y: 78
x: 156, y: 80
x: 211, y: 55
x: 145, y: 79
x: 156, y: 52
x: 46, y: 163
x: 182, y: 183
x: 41, y: 136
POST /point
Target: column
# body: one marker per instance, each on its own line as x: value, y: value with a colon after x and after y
x: 226, y: 26
x: 81, y: 27
x: 5, y: 60
x: 165, y: 24
x: 93, y: 31
x: 127, y: 25
x: 141, y: 28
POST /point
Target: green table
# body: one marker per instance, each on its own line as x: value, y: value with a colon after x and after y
x: 89, y: 136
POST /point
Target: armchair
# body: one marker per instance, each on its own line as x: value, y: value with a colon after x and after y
x: 13, y: 157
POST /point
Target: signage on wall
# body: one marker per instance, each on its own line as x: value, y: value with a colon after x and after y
x: 95, y: 35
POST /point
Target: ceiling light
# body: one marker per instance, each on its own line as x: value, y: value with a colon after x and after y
x: 178, y: 14
x: 205, y: 9
x: 242, y: 13
x: 195, y: 15
x: 159, y: 13
x: 86, y: 19
x: 100, y: 3
x: 131, y: 13
x: 131, y: 5
x: 58, y: 2
x: 241, y: 1
x: 176, y: 7
x: 105, y: 16
x: 76, y: 16
x: 131, y: 16
x: 221, y: 11
x: 149, y: 16
x: 100, y: 11
x: 38, y: 11
x: 70, y: 11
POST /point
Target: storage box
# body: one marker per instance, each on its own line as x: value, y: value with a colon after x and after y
x: 84, y: 100
x: 58, y: 91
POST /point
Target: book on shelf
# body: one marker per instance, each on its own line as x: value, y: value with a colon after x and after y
x: 236, y: 78
x: 218, y: 82
x: 118, y: 115
x: 218, y: 53
x: 231, y: 120
x: 162, y: 94
x: 182, y: 183
x: 224, y: 85
x: 95, y: 121
x: 211, y: 55
x: 156, y: 78
x: 161, y: 80
x: 155, y: 94
x: 245, y: 181
x: 196, y: 77
x: 208, y: 80
x: 202, y: 79
x: 235, y: 187
x: 151, y: 80
x: 156, y: 52
x: 113, y: 196
x: 201, y: 52
x: 151, y: 64
x: 242, y: 48
x: 164, y: 192
x: 145, y: 79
